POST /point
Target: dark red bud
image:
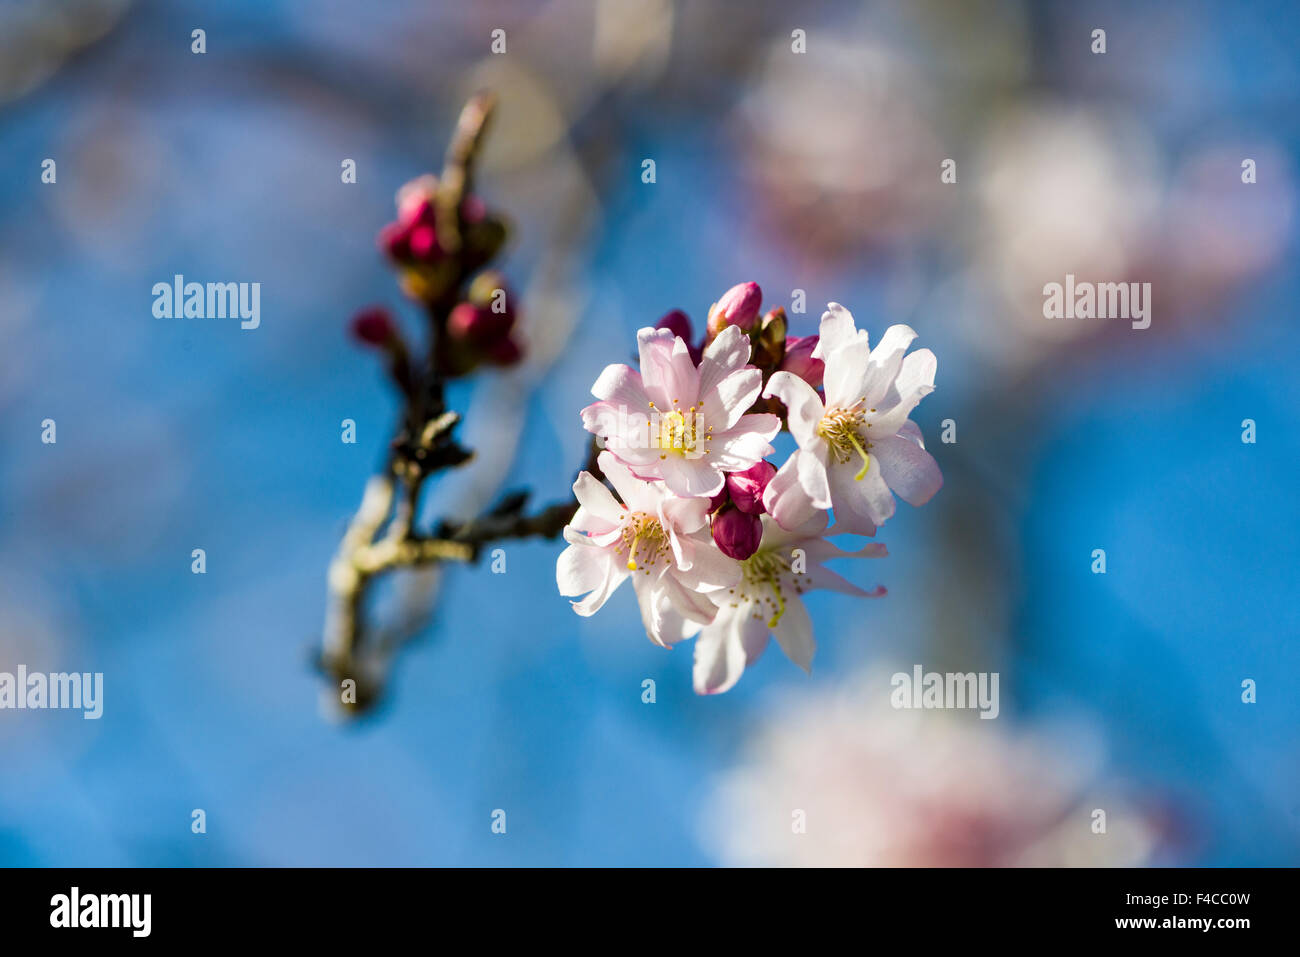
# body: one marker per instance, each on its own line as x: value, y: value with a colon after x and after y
x: 678, y: 323
x: 736, y: 533
x: 373, y: 326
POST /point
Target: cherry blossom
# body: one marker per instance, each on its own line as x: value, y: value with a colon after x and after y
x: 657, y: 539
x: 767, y: 600
x: 857, y: 448
x: 684, y: 424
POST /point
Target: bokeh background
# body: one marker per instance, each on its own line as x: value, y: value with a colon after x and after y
x: 817, y: 172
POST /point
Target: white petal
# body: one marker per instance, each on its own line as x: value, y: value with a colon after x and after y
x: 886, y: 363
x: 620, y: 385
x: 597, y: 501
x: 911, y: 472
x: 723, y: 356
x: 691, y: 478
x: 724, y: 649
x: 785, y: 499
x: 860, y: 504
x: 709, y: 569
x: 667, y: 617
x: 915, y: 381
x: 746, y: 444
x: 586, y: 568
x: 794, y: 634
x: 845, y: 379
x: 837, y: 329
x: 633, y: 491
x: 812, y: 477
x: 803, y: 406
x: 721, y: 407
x: 822, y: 577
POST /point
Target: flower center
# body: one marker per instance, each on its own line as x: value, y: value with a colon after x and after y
x: 763, y: 570
x: 839, y: 427
x: 643, y: 537
x: 676, y: 433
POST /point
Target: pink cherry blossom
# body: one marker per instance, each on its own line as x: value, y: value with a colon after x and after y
x: 681, y: 423
x: 655, y: 538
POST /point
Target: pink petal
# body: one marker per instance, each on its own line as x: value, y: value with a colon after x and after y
x: 667, y: 371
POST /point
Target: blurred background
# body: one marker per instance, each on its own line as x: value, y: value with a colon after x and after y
x: 817, y: 172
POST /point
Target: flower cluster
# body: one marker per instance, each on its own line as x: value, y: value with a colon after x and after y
x: 719, y: 542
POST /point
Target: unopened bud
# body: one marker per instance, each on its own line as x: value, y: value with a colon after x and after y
x: 746, y: 488
x: 678, y: 323
x: 373, y: 326
x: 478, y: 324
x: 736, y: 533
x: 738, y: 306
x: 799, y: 360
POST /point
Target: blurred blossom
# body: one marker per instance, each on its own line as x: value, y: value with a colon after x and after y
x: 888, y: 788
x: 37, y: 36
x: 1060, y: 191
x: 1221, y: 232
x: 834, y: 181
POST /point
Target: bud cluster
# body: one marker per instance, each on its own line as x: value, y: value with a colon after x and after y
x: 436, y: 251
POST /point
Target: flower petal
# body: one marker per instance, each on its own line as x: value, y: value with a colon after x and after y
x: 785, y: 499
x: 886, y: 362
x: 690, y: 478
x: 745, y: 445
x: 794, y: 633
x: 722, y: 406
x: 588, y: 568
x: 915, y: 381
x: 727, y: 353
x: 822, y: 577
x: 837, y: 329
x: 667, y: 371
x: 804, y: 409
x: 860, y: 504
x: 811, y: 469
x: 621, y: 385
x: 597, y: 500
x: 725, y: 648
x: 847, y: 370
x: 911, y: 472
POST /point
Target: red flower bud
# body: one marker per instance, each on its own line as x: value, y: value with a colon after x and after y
x: 736, y: 533
x: 395, y: 239
x: 678, y: 323
x: 373, y: 326
x: 478, y: 324
x: 747, y: 487
x: 799, y: 361
x: 423, y: 242
x: 505, y: 352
